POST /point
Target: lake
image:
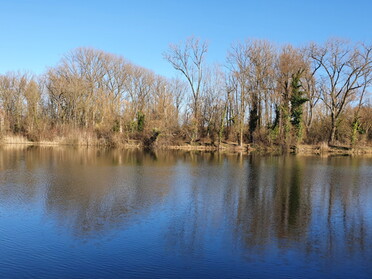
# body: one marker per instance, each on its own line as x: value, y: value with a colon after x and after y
x: 91, y: 213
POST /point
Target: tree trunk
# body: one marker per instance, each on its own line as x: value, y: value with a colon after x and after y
x: 332, y: 136
x: 310, y: 117
x: 254, y: 116
x: 241, y: 135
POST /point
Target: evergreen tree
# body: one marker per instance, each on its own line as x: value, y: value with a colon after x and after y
x: 297, y: 101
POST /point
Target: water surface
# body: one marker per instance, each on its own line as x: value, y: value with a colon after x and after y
x: 88, y: 213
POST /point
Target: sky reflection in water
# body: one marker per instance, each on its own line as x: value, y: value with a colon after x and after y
x: 68, y: 212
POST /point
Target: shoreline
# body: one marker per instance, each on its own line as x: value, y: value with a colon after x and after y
x: 226, y: 147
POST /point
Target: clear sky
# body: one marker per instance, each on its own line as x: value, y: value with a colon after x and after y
x: 35, y: 34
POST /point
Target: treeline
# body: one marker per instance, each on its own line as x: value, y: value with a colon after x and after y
x: 263, y: 95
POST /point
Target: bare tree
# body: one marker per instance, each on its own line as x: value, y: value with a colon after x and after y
x: 214, y: 107
x: 188, y: 58
x: 12, y: 97
x: 313, y: 86
x: 360, y: 96
x: 239, y: 64
x: 33, y: 100
x: 262, y: 71
x: 178, y: 89
x: 343, y: 67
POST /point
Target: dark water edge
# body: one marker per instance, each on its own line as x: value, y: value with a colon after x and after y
x: 94, y: 213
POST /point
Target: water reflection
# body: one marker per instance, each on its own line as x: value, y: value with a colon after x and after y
x: 84, y: 189
x: 203, y: 202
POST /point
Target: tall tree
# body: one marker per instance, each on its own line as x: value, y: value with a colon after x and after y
x: 343, y: 67
x: 297, y: 101
x: 188, y: 58
x: 291, y: 65
x: 239, y: 64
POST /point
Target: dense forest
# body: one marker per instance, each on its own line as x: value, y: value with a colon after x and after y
x: 263, y: 95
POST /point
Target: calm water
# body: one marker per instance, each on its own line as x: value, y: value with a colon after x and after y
x: 86, y: 213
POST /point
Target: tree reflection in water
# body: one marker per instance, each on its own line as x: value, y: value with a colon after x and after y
x: 238, y: 203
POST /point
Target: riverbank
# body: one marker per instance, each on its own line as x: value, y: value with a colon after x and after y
x: 225, y: 146
x: 303, y: 149
x: 65, y: 141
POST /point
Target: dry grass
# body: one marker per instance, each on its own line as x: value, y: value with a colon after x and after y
x: 323, y: 147
x: 73, y: 138
x: 14, y: 139
x: 77, y: 137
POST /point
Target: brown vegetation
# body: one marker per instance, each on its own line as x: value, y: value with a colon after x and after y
x: 265, y: 98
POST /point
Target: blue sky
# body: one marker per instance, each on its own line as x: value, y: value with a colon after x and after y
x: 35, y: 34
